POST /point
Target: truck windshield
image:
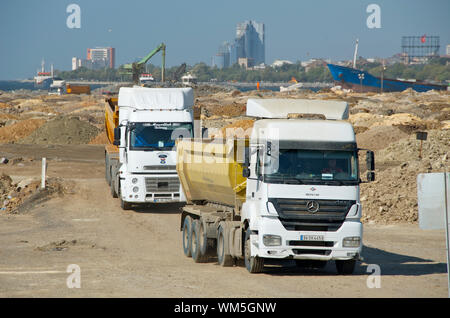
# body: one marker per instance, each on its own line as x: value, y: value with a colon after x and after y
x: 312, y: 167
x: 147, y: 136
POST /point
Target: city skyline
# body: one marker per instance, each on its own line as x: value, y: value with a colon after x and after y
x: 294, y: 30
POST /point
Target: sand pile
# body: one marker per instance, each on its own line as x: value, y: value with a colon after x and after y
x: 393, y: 196
x: 100, y: 139
x: 19, y: 130
x: 62, y: 130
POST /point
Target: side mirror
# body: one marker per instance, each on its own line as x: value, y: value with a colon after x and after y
x: 370, y: 160
x: 246, y: 157
x: 204, y: 133
x: 116, y: 137
x: 246, y: 172
x: 370, y: 176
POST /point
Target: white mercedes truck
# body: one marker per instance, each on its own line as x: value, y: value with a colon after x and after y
x: 142, y: 125
x: 288, y: 192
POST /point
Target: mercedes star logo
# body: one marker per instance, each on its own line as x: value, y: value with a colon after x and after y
x: 312, y: 206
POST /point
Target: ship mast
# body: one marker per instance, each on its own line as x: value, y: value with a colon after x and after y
x: 356, y: 53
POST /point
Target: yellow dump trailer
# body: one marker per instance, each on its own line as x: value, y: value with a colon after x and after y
x: 209, y: 171
x: 111, y: 150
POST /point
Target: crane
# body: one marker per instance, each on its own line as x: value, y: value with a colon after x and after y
x: 135, y: 69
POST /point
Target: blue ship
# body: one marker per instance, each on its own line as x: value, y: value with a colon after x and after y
x: 363, y: 81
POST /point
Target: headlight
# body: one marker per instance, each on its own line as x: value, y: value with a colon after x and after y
x: 134, y: 180
x: 272, y: 240
x: 351, y: 241
x: 135, y: 189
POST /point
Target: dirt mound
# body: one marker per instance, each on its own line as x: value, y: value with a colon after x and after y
x: 100, y: 139
x: 226, y: 111
x: 62, y: 130
x: 19, y: 130
x: 379, y: 137
x: 240, y: 128
x: 392, y: 198
x: 21, y: 196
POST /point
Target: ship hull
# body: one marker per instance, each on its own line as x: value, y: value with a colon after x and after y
x: 350, y: 78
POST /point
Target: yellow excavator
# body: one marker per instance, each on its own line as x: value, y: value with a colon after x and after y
x: 136, y: 68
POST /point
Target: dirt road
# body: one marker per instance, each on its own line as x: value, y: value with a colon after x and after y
x: 138, y: 253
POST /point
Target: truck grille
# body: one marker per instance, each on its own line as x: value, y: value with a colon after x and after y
x: 295, y: 216
x: 168, y: 184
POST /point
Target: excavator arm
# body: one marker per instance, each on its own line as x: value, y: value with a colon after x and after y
x: 136, y: 68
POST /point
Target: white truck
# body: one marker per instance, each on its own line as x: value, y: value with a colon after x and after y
x: 290, y: 191
x: 57, y: 87
x: 142, y: 125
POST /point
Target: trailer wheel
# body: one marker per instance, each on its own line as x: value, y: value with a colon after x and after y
x: 113, y: 190
x: 345, y: 267
x: 254, y: 264
x: 198, y: 242
x: 222, y: 258
x: 187, y: 224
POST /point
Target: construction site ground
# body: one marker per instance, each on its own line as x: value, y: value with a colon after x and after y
x: 138, y: 253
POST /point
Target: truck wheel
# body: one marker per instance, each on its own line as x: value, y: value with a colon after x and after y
x: 345, y: 267
x: 113, y: 190
x: 254, y: 264
x: 198, y: 242
x: 187, y: 236
x: 222, y: 258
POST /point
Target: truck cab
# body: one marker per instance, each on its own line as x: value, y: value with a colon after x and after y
x: 148, y: 123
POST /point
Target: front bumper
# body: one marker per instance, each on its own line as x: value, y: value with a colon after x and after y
x: 147, y: 188
x: 294, y: 246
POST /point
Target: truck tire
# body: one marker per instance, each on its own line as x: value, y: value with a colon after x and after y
x: 254, y: 264
x: 222, y: 258
x: 345, y: 267
x: 113, y: 190
x: 187, y: 225
x: 198, y: 242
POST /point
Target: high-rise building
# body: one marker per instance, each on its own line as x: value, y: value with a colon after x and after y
x: 250, y: 42
x: 102, y: 57
x: 447, y: 51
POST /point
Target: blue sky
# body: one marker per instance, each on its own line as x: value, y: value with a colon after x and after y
x: 193, y: 29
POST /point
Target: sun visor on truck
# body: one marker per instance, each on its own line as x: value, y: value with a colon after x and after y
x: 282, y: 108
x: 156, y: 98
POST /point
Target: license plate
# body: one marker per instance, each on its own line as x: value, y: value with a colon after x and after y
x: 162, y: 200
x: 311, y: 238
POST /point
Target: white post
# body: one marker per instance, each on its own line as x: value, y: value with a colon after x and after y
x: 447, y: 225
x: 44, y: 168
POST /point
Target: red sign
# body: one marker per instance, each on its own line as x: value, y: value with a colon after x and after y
x: 423, y: 39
